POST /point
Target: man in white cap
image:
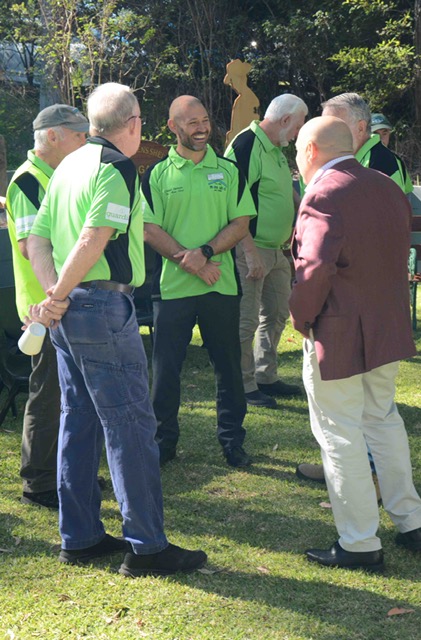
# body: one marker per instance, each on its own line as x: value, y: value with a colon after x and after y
x: 58, y: 130
x: 381, y: 126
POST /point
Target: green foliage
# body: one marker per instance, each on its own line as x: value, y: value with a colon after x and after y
x: 313, y: 48
x: 382, y: 74
x: 18, y: 108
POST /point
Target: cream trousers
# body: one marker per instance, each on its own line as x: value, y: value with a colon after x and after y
x: 347, y: 415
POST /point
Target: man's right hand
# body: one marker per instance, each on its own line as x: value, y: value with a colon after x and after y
x: 49, y: 312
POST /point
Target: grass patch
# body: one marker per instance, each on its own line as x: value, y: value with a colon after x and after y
x: 253, y: 524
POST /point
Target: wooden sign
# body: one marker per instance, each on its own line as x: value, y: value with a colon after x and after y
x: 147, y: 154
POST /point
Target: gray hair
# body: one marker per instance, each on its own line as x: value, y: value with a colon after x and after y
x: 41, y: 142
x: 110, y: 106
x: 354, y: 105
x: 284, y: 105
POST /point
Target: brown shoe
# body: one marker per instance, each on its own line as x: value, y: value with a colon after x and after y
x: 313, y: 472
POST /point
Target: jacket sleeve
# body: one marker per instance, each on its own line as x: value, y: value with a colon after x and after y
x: 316, y: 247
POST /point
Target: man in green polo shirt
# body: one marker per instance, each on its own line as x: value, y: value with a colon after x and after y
x: 58, y: 130
x: 264, y: 270
x: 86, y: 247
x: 197, y: 207
x: 368, y: 148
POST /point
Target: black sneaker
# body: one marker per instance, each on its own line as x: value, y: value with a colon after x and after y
x: 106, y: 547
x: 237, y: 457
x: 410, y: 540
x: 171, y: 560
x: 47, y: 499
x: 259, y: 399
x: 280, y: 388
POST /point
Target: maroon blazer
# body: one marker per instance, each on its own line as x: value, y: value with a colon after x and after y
x: 350, y: 249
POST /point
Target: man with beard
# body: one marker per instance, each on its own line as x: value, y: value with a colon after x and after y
x: 264, y: 270
x: 197, y: 207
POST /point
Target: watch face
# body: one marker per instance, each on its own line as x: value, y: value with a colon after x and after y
x: 207, y: 251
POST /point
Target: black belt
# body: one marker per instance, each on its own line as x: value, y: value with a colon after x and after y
x: 108, y: 285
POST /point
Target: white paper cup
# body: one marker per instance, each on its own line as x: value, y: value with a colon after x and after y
x: 32, y: 339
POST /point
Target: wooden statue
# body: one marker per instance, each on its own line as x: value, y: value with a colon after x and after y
x: 246, y: 105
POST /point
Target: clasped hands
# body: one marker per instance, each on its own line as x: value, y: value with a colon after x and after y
x: 193, y: 261
x: 49, y: 312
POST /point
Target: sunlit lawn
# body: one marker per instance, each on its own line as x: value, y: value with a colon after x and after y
x: 254, y: 525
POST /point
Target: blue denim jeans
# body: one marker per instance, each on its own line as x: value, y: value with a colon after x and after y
x: 104, y: 387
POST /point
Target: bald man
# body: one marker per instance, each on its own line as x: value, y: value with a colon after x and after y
x: 197, y: 207
x: 352, y: 233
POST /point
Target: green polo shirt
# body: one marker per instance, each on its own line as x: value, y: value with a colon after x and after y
x: 96, y: 186
x: 269, y: 178
x: 23, y: 199
x: 193, y: 203
x: 375, y: 155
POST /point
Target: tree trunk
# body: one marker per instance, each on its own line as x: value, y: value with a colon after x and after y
x: 417, y: 66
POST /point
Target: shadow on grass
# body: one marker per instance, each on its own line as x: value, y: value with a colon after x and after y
x: 410, y: 415
x: 364, y: 613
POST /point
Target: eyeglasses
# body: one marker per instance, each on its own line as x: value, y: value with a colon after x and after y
x: 131, y: 118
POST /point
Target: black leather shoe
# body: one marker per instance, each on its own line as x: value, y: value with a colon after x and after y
x: 47, y: 499
x: 165, y: 455
x: 280, y: 388
x: 259, y: 399
x: 337, y: 557
x: 172, y: 559
x: 106, y: 547
x: 237, y: 457
x: 410, y: 540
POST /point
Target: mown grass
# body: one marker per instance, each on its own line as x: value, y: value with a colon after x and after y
x: 253, y: 524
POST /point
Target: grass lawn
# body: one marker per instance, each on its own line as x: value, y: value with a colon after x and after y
x: 253, y: 524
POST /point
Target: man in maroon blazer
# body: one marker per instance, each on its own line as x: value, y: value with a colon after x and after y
x: 352, y: 235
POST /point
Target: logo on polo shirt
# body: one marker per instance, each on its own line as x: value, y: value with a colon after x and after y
x: 117, y: 213
x: 216, y: 181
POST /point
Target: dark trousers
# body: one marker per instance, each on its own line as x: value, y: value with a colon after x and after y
x: 41, y: 423
x: 218, y: 319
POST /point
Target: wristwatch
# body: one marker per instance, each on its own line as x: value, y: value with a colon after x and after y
x: 207, y: 251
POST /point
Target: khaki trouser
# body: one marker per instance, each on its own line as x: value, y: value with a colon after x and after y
x: 263, y: 313
x: 347, y: 415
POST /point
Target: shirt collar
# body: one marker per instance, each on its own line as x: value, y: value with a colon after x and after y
x: 368, y: 144
x: 208, y: 160
x: 258, y: 131
x: 327, y: 166
x: 38, y: 162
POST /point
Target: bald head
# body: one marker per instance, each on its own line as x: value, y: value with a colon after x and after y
x: 319, y: 141
x: 181, y: 105
x: 189, y: 121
